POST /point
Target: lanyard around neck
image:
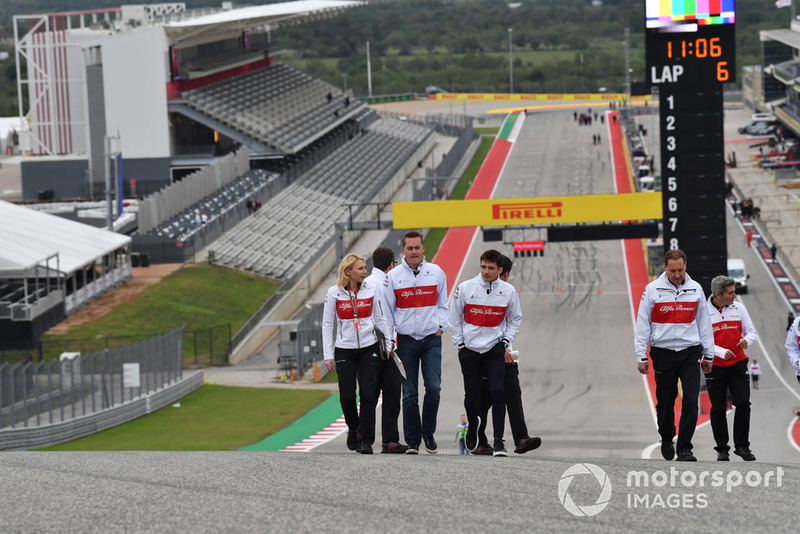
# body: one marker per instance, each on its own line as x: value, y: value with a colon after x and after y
x: 354, y: 301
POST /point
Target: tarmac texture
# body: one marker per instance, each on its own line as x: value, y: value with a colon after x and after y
x: 296, y: 492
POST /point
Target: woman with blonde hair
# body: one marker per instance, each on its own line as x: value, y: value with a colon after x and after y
x: 352, y: 310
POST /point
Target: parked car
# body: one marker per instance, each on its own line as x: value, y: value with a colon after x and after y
x: 759, y: 128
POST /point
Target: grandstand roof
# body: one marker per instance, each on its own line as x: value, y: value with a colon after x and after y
x: 30, y: 237
x: 272, y: 14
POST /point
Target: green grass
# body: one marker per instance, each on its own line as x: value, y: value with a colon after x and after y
x: 486, y: 131
x: 213, y: 418
x: 434, y: 238
x: 330, y: 378
x: 474, y: 166
x: 201, y: 296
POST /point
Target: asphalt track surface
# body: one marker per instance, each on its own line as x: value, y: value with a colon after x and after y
x: 581, y: 392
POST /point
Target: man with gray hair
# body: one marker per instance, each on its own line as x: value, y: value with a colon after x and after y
x: 733, y: 332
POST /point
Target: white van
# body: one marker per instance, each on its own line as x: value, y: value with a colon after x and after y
x: 738, y: 272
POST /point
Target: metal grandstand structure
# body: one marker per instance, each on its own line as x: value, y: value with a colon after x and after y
x: 46, y: 83
x: 79, y: 71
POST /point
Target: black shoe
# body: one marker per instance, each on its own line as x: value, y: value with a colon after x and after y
x: 471, y: 439
x: 483, y: 450
x: 527, y: 444
x: 352, y: 440
x: 430, y: 444
x: 667, y: 450
x: 745, y: 453
x: 365, y: 448
x: 393, y: 448
x: 686, y: 456
x: 499, y: 448
x: 723, y: 456
x: 412, y: 449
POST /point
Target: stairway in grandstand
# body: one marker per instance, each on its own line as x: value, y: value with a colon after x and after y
x: 274, y: 110
x: 294, y: 225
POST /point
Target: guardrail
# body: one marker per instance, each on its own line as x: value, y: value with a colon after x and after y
x: 77, y: 385
x: 53, y: 434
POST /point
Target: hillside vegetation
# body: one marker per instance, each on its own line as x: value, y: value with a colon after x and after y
x: 459, y: 45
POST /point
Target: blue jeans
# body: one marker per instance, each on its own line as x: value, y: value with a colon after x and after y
x: 412, y: 352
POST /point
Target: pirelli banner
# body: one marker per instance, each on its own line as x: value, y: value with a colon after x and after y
x: 524, y: 211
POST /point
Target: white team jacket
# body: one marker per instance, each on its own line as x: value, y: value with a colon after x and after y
x: 673, y: 318
x: 339, y: 310
x: 380, y: 280
x: 416, y: 305
x: 484, y: 313
x: 793, y: 345
x: 730, y: 325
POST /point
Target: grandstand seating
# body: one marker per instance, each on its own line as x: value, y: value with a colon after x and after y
x: 277, y: 105
x: 295, y: 224
x: 182, y: 226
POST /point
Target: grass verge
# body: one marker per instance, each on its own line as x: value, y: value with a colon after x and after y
x: 434, y: 238
x: 201, y: 296
x: 212, y: 418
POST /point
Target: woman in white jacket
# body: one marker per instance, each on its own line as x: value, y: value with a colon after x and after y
x: 351, y: 308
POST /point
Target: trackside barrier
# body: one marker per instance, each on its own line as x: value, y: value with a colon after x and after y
x: 53, y: 434
x: 54, y: 392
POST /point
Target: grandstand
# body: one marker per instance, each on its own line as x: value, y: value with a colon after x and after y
x: 277, y: 106
x: 297, y: 223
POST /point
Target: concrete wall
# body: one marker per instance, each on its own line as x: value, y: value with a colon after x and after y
x: 65, y: 177
x: 151, y: 174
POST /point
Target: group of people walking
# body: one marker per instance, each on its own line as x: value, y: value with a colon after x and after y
x: 685, y: 332
x: 388, y: 326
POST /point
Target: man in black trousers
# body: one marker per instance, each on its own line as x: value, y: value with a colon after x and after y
x: 513, y: 393
x: 388, y: 372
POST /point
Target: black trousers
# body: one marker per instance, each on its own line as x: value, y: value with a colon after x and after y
x: 513, y: 394
x: 358, y: 365
x: 669, y: 366
x: 473, y: 367
x: 736, y: 379
x: 389, y: 381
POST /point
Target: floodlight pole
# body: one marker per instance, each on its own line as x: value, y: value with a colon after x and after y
x: 107, y: 154
x: 109, y: 203
x: 369, y: 73
x: 510, y: 64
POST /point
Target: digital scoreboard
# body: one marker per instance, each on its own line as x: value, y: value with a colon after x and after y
x: 690, y: 54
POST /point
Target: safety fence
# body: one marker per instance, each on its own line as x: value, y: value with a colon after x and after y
x: 76, y: 385
x: 304, y: 344
x: 201, y: 346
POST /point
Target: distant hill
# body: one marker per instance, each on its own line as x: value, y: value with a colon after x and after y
x: 463, y: 45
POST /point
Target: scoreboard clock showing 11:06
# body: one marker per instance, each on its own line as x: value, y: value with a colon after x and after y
x: 690, y: 53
